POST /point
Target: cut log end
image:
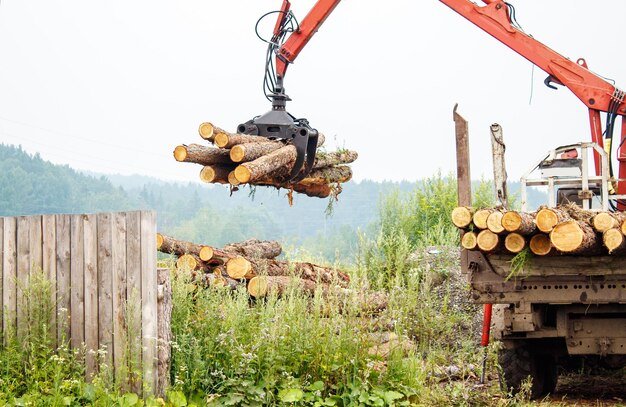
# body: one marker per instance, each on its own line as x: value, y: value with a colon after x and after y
x: 603, y: 222
x: 546, y: 220
x: 206, y: 253
x: 180, y: 153
x: 468, y: 241
x: 232, y: 179
x: 514, y: 242
x: 511, y: 221
x: 257, y: 287
x: 206, y: 131
x: 487, y: 241
x: 215, y: 174
x: 221, y: 140
x: 207, y: 174
x: 186, y: 262
x: 540, y: 244
x: 159, y: 241
x: 461, y: 216
x: 242, y: 174
x: 237, y: 153
x: 494, y: 222
x: 238, y: 268
x: 480, y: 218
x: 567, y: 236
x: 613, y: 239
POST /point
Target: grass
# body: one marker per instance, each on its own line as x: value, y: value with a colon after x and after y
x: 296, y: 350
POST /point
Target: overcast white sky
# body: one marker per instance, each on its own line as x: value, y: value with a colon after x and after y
x: 113, y: 86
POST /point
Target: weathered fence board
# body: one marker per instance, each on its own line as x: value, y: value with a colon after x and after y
x: 9, y: 276
x: 149, y: 300
x: 91, y: 292
x: 77, y: 281
x: 23, y: 271
x: 120, y: 338
x: 64, y: 264
x: 103, y: 277
x: 48, y: 226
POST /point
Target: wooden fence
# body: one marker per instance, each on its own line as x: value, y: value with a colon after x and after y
x: 102, y: 268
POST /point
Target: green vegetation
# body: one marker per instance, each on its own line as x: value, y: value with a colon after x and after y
x: 293, y: 350
x: 30, y: 185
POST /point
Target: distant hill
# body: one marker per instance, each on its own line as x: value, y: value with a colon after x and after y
x: 199, y: 212
x: 30, y: 185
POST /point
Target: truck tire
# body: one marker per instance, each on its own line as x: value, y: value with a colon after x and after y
x: 547, y: 364
x: 519, y: 363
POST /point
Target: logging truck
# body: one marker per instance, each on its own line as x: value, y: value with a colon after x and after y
x: 556, y: 308
x: 563, y: 302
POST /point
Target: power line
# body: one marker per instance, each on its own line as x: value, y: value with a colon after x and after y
x: 98, y: 142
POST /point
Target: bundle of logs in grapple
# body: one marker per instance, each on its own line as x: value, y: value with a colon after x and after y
x: 252, y: 264
x: 566, y: 229
x: 238, y: 159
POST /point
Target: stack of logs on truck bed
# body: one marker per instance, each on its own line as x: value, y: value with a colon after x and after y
x: 252, y: 265
x: 239, y: 159
x: 563, y: 230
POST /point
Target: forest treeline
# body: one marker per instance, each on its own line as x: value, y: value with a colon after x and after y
x: 197, y: 212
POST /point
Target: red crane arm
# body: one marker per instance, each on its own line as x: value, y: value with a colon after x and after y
x: 595, y: 92
x: 298, y: 39
x: 493, y: 18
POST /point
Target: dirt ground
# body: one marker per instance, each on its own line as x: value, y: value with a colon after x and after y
x: 608, y: 389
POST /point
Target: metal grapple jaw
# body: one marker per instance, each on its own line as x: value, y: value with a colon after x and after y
x: 278, y: 124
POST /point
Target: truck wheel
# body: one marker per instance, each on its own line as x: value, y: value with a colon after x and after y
x: 519, y: 363
x: 547, y: 364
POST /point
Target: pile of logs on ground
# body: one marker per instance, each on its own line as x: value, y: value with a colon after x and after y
x: 563, y: 230
x: 252, y: 264
x: 237, y: 159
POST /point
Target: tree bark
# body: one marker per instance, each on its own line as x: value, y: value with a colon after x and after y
x: 575, y: 237
x: 469, y: 241
x: 241, y: 267
x: 167, y: 244
x: 261, y: 286
x: 256, y: 249
x: 312, y: 190
x: 614, y: 241
x: 499, y: 168
x: 251, y: 151
x: 219, y: 278
x: 228, y: 140
x: 480, y: 217
x: 462, y: 216
x: 519, y: 222
x: 279, y: 163
x: 195, y: 153
x: 262, y: 167
x: 541, y: 245
x: 215, y: 174
x: 514, y: 242
x: 548, y: 218
x: 208, y: 131
x: 487, y: 241
x: 328, y: 175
